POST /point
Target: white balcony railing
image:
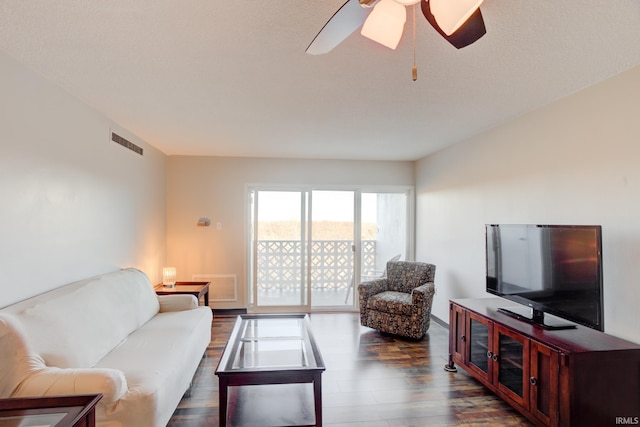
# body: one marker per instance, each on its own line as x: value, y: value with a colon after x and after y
x: 280, y: 264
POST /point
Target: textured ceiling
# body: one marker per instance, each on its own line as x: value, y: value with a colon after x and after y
x: 231, y: 78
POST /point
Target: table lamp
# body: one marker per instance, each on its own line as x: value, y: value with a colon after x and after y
x: 169, y: 277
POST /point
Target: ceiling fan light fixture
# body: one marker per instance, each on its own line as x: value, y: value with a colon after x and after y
x: 408, y: 2
x: 385, y: 23
x: 451, y: 14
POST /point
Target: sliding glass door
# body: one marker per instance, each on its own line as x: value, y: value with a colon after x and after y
x: 279, y: 249
x: 332, y: 247
x: 310, y: 248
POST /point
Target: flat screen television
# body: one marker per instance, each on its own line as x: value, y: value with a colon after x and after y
x: 554, y: 269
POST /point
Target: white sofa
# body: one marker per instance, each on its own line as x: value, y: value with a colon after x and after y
x: 109, y: 334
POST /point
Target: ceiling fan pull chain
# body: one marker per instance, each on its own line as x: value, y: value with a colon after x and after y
x: 414, y: 69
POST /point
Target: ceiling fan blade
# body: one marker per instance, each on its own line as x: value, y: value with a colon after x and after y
x: 468, y: 33
x: 345, y: 21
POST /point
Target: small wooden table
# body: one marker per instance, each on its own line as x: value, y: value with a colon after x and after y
x: 50, y: 411
x: 271, y: 349
x: 197, y: 289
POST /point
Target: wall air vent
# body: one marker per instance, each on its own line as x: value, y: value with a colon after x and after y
x: 126, y: 143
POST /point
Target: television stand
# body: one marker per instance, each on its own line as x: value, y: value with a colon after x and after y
x: 536, y: 317
x: 558, y: 378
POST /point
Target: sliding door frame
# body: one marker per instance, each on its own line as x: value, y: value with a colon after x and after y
x: 306, y: 233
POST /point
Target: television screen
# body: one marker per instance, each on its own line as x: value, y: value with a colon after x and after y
x: 554, y: 269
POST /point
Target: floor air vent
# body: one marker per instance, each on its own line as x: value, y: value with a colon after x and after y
x: 125, y: 143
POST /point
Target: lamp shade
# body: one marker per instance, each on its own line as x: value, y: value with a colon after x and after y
x: 385, y: 23
x: 451, y: 14
x: 169, y: 276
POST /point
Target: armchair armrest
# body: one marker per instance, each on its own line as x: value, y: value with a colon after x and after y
x: 370, y: 288
x: 423, y: 291
x: 422, y: 298
x: 179, y: 302
x: 366, y: 290
x: 52, y: 381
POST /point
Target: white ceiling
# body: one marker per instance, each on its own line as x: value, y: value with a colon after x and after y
x: 231, y: 77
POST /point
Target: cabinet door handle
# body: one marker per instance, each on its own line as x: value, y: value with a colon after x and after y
x: 533, y: 380
x: 463, y: 338
x: 489, y: 354
x: 494, y: 357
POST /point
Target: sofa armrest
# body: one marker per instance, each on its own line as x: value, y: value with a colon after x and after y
x: 17, y: 360
x: 179, y: 302
x: 52, y: 381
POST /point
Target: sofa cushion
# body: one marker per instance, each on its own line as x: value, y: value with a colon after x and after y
x: 159, y: 361
x: 78, y: 328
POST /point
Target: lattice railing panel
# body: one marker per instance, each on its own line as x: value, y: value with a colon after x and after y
x: 368, y: 257
x: 280, y: 263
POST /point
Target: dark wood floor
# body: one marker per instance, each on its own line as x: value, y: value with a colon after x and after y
x: 371, y: 380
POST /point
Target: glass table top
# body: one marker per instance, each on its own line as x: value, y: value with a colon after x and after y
x: 32, y: 420
x: 270, y: 342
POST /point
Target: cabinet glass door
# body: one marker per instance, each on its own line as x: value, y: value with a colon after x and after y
x: 511, y: 357
x: 479, y: 343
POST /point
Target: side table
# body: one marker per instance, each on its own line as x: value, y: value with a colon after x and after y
x: 197, y: 289
x: 50, y: 411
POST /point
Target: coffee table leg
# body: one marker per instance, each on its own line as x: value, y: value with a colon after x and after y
x: 317, y: 394
x: 222, y: 401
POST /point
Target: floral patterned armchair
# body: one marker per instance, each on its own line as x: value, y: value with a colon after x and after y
x: 400, y: 303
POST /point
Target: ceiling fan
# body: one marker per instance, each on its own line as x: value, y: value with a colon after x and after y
x: 458, y: 21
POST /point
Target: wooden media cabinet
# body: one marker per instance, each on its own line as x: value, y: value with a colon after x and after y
x: 570, y: 377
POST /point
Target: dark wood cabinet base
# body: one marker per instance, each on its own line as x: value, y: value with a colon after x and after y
x: 570, y: 377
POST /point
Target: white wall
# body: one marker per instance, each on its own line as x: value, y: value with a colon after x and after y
x: 576, y: 161
x: 73, y: 203
x: 215, y: 187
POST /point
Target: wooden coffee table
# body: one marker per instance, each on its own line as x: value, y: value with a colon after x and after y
x: 271, y: 349
x: 197, y: 289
